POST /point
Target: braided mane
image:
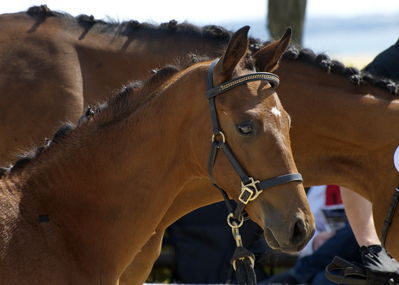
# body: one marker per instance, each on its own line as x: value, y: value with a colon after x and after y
x: 132, y: 95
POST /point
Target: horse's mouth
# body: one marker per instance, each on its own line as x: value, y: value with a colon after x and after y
x: 274, y: 244
x: 271, y: 240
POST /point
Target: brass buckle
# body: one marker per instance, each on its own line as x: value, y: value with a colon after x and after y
x: 249, y: 191
x: 232, y: 223
x: 235, y: 230
x: 243, y: 258
x: 219, y: 134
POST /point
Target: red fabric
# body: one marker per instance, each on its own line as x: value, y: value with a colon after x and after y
x: 333, y: 195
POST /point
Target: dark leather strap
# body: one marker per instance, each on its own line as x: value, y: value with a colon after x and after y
x: 252, y: 187
x: 389, y: 216
x: 271, y: 78
x: 234, y: 162
x: 341, y: 271
x: 211, y: 101
x: 282, y: 179
x: 263, y: 185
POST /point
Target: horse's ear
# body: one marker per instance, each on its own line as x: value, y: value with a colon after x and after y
x: 236, y: 49
x: 268, y: 57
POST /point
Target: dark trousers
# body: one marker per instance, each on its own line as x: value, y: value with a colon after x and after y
x: 204, y: 245
x: 310, y: 269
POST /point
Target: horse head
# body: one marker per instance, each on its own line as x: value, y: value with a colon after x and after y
x: 252, y: 122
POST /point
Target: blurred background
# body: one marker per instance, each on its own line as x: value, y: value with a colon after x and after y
x: 353, y: 31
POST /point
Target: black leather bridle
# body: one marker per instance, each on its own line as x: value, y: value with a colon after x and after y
x: 250, y: 187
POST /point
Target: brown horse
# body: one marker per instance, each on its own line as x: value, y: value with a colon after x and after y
x: 49, y: 60
x: 343, y: 133
x: 86, y: 203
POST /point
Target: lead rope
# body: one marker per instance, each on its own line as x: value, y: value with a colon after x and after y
x: 243, y: 261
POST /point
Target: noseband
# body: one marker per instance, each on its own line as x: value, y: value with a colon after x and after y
x: 250, y: 187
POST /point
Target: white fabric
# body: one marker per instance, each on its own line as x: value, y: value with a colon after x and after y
x: 396, y: 159
x: 317, y: 202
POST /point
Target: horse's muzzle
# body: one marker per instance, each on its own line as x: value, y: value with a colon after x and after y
x: 298, y: 237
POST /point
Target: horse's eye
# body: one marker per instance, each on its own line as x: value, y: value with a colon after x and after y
x: 246, y: 128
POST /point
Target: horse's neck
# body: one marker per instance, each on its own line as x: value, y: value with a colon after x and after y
x: 342, y: 133
x: 116, y: 181
x: 113, y: 59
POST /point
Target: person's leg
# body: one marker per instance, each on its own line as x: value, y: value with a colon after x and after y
x: 203, y: 246
x: 359, y: 213
x: 320, y: 279
x: 343, y: 243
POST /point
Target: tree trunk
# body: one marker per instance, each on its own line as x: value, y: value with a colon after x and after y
x: 286, y: 13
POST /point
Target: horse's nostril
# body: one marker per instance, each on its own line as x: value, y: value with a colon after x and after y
x: 298, y: 232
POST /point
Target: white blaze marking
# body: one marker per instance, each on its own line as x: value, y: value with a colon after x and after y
x: 276, y: 112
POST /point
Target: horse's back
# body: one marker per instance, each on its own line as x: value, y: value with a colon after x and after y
x: 54, y: 64
x: 40, y: 80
